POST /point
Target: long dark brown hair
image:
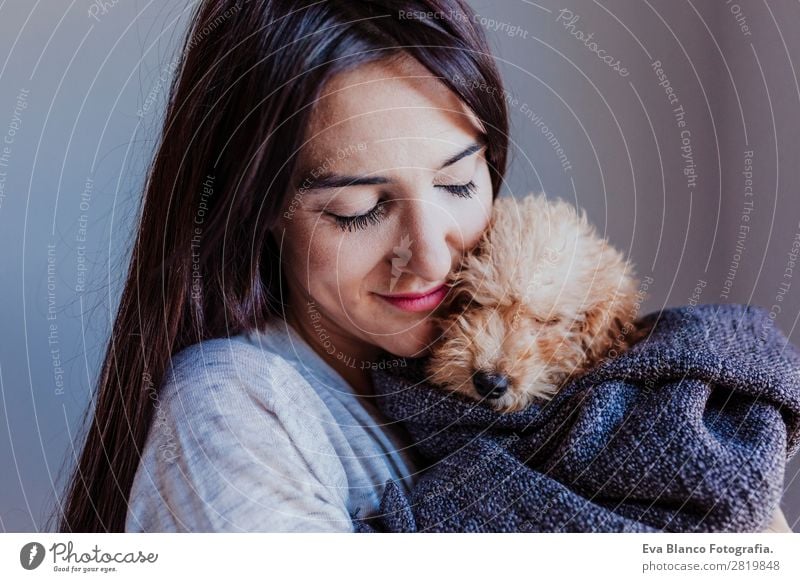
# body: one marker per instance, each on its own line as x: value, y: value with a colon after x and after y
x: 238, y: 106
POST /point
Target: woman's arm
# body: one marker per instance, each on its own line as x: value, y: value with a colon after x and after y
x: 228, y: 450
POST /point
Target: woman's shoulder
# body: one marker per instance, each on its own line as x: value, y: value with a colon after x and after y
x: 230, y: 367
x: 234, y: 353
x: 234, y: 382
x: 237, y: 437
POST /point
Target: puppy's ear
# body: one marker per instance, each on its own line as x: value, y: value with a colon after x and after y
x: 607, y: 329
x: 602, y: 332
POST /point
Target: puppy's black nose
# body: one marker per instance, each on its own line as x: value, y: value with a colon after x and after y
x: 490, y: 385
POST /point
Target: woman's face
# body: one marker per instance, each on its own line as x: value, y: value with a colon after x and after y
x: 392, y: 187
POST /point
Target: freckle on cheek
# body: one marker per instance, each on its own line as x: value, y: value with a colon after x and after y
x: 323, y: 263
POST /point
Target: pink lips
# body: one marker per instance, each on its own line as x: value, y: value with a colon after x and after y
x: 417, y: 301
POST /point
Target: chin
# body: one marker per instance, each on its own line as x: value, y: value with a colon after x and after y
x: 413, y: 343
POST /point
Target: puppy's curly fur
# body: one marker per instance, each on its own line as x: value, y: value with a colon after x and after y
x: 540, y: 299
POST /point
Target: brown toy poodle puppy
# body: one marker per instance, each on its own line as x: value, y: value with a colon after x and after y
x: 540, y: 299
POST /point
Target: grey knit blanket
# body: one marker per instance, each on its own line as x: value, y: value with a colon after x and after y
x: 690, y: 431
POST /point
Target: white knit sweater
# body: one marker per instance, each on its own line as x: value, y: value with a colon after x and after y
x: 258, y: 433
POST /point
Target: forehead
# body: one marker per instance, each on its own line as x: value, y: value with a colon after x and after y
x: 398, y: 112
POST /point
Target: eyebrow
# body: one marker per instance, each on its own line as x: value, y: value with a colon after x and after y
x: 331, y: 180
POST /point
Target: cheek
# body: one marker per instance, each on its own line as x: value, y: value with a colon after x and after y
x: 333, y: 266
x: 473, y: 215
x: 301, y: 252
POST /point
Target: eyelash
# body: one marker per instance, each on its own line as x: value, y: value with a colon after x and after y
x: 375, y: 214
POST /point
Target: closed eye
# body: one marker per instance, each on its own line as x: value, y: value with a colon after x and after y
x: 462, y: 190
x: 377, y: 212
x: 361, y: 221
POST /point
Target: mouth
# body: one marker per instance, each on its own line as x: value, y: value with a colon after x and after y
x: 503, y: 403
x: 416, y: 302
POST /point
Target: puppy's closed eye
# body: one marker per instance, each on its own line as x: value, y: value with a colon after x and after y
x: 553, y: 320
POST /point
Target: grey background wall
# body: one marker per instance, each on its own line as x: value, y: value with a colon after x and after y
x: 82, y: 88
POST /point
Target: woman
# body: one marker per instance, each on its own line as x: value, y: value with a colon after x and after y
x: 322, y: 168
x: 319, y: 162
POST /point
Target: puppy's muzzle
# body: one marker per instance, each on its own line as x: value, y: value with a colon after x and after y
x: 490, y: 385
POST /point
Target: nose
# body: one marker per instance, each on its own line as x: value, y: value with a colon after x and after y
x: 490, y: 385
x: 430, y: 232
